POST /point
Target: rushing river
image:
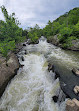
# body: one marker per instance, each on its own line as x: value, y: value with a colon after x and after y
x: 33, y: 87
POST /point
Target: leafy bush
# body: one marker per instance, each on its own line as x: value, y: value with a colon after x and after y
x: 5, y: 47
x: 10, y: 33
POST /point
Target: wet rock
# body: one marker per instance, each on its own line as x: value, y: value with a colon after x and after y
x: 72, y: 105
x: 55, y: 98
x: 75, y: 71
x: 21, y: 66
x: 25, y: 52
x: 24, y: 44
x: 7, y: 72
x: 76, y: 90
x: 50, y: 67
x: 57, y: 75
x: 22, y: 58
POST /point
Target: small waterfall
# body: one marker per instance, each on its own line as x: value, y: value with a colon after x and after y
x: 33, y: 88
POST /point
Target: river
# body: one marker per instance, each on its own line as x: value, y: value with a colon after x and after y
x: 34, y: 86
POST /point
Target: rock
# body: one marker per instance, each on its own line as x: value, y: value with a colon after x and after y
x: 75, y: 71
x: 72, y: 105
x: 54, y: 40
x: 76, y: 89
x: 21, y: 66
x: 7, y: 72
x: 25, y: 52
x: 55, y: 98
x: 24, y: 44
x: 19, y: 47
x: 22, y: 58
x: 57, y: 75
x: 75, y: 45
x: 50, y: 67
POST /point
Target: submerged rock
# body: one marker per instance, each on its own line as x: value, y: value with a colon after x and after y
x: 57, y: 75
x: 72, y: 105
x: 22, y: 58
x: 50, y: 67
x: 21, y: 66
x: 7, y: 72
x: 75, y: 71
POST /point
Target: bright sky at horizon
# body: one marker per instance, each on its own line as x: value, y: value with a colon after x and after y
x: 31, y: 12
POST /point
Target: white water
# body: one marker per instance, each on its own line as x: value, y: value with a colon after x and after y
x: 33, y: 87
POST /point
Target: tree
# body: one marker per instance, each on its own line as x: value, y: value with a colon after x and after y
x: 10, y: 28
x: 10, y: 33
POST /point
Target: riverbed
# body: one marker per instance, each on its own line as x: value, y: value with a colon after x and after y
x: 34, y: 86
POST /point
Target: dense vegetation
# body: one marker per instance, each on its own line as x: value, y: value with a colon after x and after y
x: 66, y: 27
x: 10, y: 33
x: 35, y: 33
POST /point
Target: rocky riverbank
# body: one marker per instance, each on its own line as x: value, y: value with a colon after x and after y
x: 74, y: 43
x: 71, y: 104
x: 7, y: 71
x: 9, y: 67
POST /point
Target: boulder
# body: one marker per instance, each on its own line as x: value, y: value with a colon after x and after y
x: 54, y: 40
x: 50, y: 67
x: 55, y: 98
x: 72, y: 105
x: 75, y: 45
x: 24, y: 44
x: 7, y: 72
x: 75, y: 71
x: 76, y: 89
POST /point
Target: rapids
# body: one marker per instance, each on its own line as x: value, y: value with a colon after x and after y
x: 33, y: 87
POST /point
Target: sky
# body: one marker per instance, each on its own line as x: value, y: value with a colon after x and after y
x: 31, y: 12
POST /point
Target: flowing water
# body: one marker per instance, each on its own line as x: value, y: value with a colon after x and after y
x: 33, y: 87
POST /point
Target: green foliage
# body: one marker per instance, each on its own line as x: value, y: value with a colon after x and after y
x: 76, y: 30
x: 10, y: 33
x: 56, y: 27
x: 33, y: 37
x: 66, y: 27
x: 48, y: 30
x: 34, y: 33
x: 65, y: 33
x: 9, y: 28
x: 5, y: 47
x: 68, y: 42
x: 24, y: 33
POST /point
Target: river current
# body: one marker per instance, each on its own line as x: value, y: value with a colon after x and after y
x: 34, y: 86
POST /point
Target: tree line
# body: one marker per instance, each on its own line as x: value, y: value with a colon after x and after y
x: 66, y: 27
